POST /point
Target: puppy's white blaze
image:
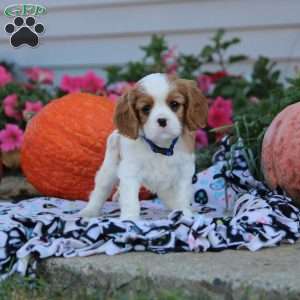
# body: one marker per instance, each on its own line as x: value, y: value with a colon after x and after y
x: 156, y: 85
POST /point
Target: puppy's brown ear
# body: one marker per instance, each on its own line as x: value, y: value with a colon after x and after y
x: 196, y: 105
x: 125, y: 117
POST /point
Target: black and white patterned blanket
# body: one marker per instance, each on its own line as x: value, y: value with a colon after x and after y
x: 254, y: 217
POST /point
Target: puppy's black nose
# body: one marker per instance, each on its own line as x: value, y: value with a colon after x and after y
x: 162, y: 122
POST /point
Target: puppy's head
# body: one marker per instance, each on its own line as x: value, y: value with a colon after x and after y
x: 161, y: 107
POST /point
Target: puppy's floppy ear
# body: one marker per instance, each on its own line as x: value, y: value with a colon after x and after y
x: 196, y: 106
x: 125, y: 117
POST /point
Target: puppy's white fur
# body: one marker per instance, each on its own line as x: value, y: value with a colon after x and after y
x: 132, y: 163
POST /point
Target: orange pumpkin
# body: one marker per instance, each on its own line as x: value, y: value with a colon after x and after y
x: 281, y: 152
x: 64, y: 145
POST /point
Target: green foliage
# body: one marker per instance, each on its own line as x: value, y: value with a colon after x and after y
x: 151, y: 62
x: 232, y: 87
x: 75, y: 287
x: 113, y: 73
x: 255, y: 119
x: 154, y: 51
x: 188, y: 65
x: 265, y: 79
x: 215, y: 52
x: 67, y: 285
x: 256, y: 102
x: 204, y: 157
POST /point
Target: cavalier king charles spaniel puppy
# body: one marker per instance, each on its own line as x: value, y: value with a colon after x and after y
x: 153, y: 146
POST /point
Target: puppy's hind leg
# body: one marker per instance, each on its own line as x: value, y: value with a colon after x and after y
x: 105, y: 179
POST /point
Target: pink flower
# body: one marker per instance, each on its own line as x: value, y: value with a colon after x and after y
x: 71, y: 84
x: 205, y: 83
x: 33, y: 107
x: 169, y: 55
x: 113, y: 97
x: 115, y: 90
x: 223, y: 104
x: 5, y: 76
x: 172, y: 68
x: 40, y: 75
x: 220, y: 113
x: 170, y: 60
x: 92, y: 83
x: 10, y: 104
x: 201, y: 139
x: 28, y: 86
x: 218, y: 75
x: 119, y: 87
x: 11, y: 138
x: 89, y: 82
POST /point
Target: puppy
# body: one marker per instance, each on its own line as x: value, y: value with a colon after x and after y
x: 153, y: 146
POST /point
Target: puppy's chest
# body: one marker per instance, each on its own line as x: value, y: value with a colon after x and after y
x: 161, y: 172
x: 156, y: 171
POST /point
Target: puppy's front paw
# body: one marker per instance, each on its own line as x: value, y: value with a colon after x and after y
x: 89, y: 213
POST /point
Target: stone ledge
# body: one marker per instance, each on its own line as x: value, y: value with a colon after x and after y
x: 273, y: 273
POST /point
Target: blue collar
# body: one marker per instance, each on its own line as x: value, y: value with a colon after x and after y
x: 164, y: 151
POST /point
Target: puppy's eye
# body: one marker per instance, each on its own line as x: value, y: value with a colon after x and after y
x: 174, y: 105
x: 146, y: 109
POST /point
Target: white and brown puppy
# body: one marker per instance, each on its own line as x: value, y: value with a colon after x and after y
x: 153, y: 146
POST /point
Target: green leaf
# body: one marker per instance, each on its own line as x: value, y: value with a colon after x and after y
x: 221, y: 128
x: 188, y: 65
x: 156, y: 48
x: 207, y: 51
x: 113, y: 73
x: 229, y: 43
x: 236, y: 58
x: 218, y: 35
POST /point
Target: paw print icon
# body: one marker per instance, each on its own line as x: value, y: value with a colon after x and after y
x: 24, y: 31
